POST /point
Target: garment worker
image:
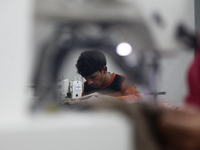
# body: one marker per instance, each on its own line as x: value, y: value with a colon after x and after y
x: 92, y: 66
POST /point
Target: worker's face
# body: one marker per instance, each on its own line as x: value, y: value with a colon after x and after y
x: 97, y: 78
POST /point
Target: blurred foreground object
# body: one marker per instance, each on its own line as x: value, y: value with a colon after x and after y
x: 73, y: 130
x: 143, y: 117
x: 156, y: 128
x: 49, y: 130
x: 180, y: 129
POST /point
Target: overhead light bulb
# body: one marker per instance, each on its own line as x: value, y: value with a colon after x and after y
x: 124, y: 49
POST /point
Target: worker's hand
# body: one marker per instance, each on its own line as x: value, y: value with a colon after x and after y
x: 82, y: 100
x: 69, y: 101
x: 180, y: 129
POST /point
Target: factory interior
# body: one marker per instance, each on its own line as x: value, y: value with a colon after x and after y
x: 152, y: 43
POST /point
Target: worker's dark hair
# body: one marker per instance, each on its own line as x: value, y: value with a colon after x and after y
x: 90, y: 62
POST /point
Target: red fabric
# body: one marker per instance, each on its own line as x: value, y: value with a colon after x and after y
x: 193, y: 97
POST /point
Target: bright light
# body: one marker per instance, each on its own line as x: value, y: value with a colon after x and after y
x: 124, y: 49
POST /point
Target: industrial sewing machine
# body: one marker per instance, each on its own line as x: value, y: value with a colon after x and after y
x: 153, y: 26
x: 153, y: 29
x: 69, y: 89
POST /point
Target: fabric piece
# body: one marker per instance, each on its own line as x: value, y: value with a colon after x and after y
x: 82, y: 101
